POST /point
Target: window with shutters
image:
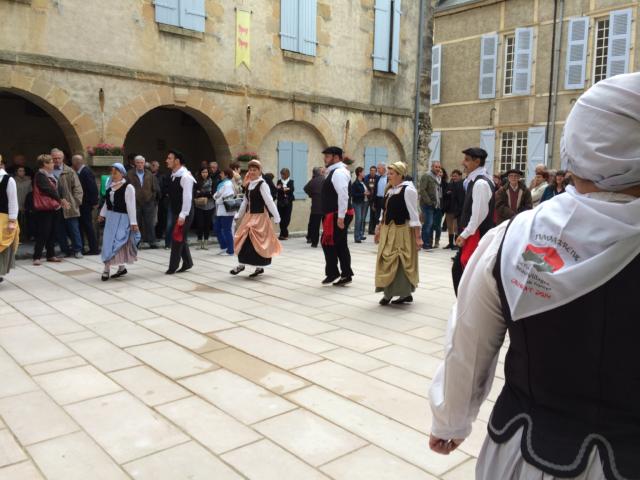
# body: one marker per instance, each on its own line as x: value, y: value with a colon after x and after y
x: 509, y: 47
x: 185, y: 14
x: 298, y: 26
x: 386, y: 38
x: 601, y: 50
x: 513, y: 151
x: 294, y: 157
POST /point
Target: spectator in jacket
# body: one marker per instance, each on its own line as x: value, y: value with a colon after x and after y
x: 68, y: 223
x: 556, y: 188
x: 377, y: 196
x: 89, y: 201
x: 285, y: 202
x: 453, y: 199
x: 23, y: 188
x: 430, y: 201
x: 147, y: 196
x: 313, y: 188
x: 204, y: 206
x: 512, y: 198
x: 540, y: 183
x: 371, y: 180
x: 46, y: 185
x: 359, y: 197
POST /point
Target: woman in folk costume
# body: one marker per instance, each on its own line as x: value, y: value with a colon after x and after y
x: 562, y: 280
x: 121, y: 233
x: 399, y: 239
x: 255, y: 241
x: 9, y: 229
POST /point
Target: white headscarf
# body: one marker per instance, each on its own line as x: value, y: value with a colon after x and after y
x: 601, y: 140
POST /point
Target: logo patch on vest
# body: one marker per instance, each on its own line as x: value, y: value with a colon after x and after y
x: 544, y: 259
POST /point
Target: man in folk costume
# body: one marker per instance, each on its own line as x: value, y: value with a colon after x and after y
x: 181, y: 202
x: 338, y: 213
x: 9, y: 229
x: 561, y: 280
x: 476, y: 218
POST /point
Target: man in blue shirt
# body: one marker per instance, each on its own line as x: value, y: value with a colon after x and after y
x: 378, y: 195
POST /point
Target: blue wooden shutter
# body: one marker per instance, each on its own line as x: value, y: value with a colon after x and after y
x: 619, y: 42
x: 299, y: 170
x: 308, y: 26
x: 382, y: 156
x: 285, y: 157
x: 167, y: 12
x: 436, y: 73
x: 488, y: 65
x: 434, y: 147
x: 192, y: 15
x: 488, y: 144
x: 522, y: 61
x: 395, y: 40
x: 382, y: 35
x: 575, y: 70
x: 289, y: 25
x: 369, y: 158
x: 535, y: 150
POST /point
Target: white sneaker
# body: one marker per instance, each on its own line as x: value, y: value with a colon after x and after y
x: 221, y: 252
x: 78, y: 255
x: 225, y: 254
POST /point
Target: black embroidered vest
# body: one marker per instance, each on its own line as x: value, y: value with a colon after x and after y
x: 119, y: 204
x: 4, y: 199
x: 256, y: 202
x: 395, y: 208
x: 488, y: 223
x: 330, y: 196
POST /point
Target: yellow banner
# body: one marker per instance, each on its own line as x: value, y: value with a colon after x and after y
x: 243, y: 38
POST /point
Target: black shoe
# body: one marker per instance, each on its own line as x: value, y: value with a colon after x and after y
x: 384, y: 301
x: 448, y: 247
x: 169, y: 272
x: 237, y: 270
x: 363, y: 238
x: 184, y: 268
x: 1, y: 279
x: 402, y: 300
x: 358, y: 241
x: 329, y: 280
x: 308, y: 241
x: 314, y: 245
x: 343, y: 281
x: 93, y: 252
x: 258, y: 271
x: 105, y: 276
x: 120, y: 273
x: 427, y: 247
x: 153, y: 246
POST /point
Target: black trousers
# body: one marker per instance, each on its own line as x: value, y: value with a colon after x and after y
x: 374, y: 213
x: 86, y: 228
x: 339, y: 251
x: 203, y: 219
x: 313, y: 228
x: 285, y: 219
x: 161, y: 224
x: 180, y: 250
x: 45, y: 233
x: 456, y: 271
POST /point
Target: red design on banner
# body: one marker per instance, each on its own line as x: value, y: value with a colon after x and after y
x: 545, y: 259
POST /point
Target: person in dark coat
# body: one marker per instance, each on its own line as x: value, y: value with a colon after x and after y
x: 313, y: 188
x: 556, y: 187
x: 371, y: 181
x: 90, y: 202
x: 286, y: 198
x: 453, y: 199
x: 513, y: 198
x: 359, y: 196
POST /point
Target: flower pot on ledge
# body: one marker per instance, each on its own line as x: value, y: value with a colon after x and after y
x: 105, y: 160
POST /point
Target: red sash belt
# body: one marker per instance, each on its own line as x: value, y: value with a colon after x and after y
x: 328, y: 227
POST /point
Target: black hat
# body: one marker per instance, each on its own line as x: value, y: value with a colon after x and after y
x: 333, y: 151
x: 476, y: 153
x: 514, y: 170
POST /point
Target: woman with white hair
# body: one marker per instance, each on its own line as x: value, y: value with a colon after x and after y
x: 9, y: 229
x: 121, y: 234
x: 399, y: 238
x: 562, y: 280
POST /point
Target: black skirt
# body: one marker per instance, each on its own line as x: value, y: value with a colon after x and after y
x: 249, y: 256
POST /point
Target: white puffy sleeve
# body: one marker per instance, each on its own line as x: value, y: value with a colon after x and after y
x: 268, y: 201
x: 12, y: 197
x: 130, y: 200
x: 411, y: 200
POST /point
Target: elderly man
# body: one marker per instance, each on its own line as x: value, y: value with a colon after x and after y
x: 89, y: 201
x: 513, y: 198
x: 561, y: 279
x: 430, y: 201
x: 147, y: 195
x: 68, y: 223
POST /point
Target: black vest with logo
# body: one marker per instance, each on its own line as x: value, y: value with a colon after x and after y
x: 256, y: 202
x: 572, y: 380
x: 395, y: 208
x: 4, y: 198
x: 175, y: 195
x: 488, y: 223
x: 119, y: 204
x: 330, y: 196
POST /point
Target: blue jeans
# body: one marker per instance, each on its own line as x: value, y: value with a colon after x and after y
x: 427, y: 226
x: 69, y: 228
x: 223, y: 232
x: 437, y: 224
x: 361, y: 215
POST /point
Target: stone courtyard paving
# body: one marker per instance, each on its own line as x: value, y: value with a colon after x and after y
x: 206, y: 376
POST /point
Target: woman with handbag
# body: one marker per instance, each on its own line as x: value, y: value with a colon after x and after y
x: 121, y: 234
x: 285, y: 202
x: 47, y: 201
x: 204, y: 204
x: 255, y: 240
x: 9, y: 229
x: 225, y: 195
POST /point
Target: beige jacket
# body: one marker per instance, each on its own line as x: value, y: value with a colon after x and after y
x: 71, y: 191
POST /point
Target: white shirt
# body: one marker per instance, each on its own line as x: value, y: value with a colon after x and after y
x: 186, y: 182
x: 481, y: 196
x: 340, y: 181
x: 475, y: 333
x: 410, y: 200
x: 382, y: 184
x: 227, y: 189
x: 266, y: 196
x: 12, y: 195
x: 129, y: 199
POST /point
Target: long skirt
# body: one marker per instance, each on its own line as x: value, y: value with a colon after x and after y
x: 255, y: 241
x: 119, y: 242
x: 397, y: 262
x: 9, y: 240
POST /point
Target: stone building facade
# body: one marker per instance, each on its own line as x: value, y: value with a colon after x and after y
x: 505, y: 74
x: 152, y: 75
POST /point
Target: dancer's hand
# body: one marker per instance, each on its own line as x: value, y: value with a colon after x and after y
x: 341, y: 223
x: 180, y: 221
x: 444, y: 447
x: 460, y: 241
x: 376, y: 237
x: 100, y: 219
x: 419, y: 242
x: 135, y: 228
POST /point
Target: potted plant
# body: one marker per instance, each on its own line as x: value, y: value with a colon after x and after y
x: 105, y: 155
x: 244, y: 158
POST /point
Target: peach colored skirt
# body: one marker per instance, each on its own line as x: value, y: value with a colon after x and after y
x: 258, y: 229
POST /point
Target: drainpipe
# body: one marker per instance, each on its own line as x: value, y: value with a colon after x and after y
x: 419, y: 66
x: 550, y: 134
